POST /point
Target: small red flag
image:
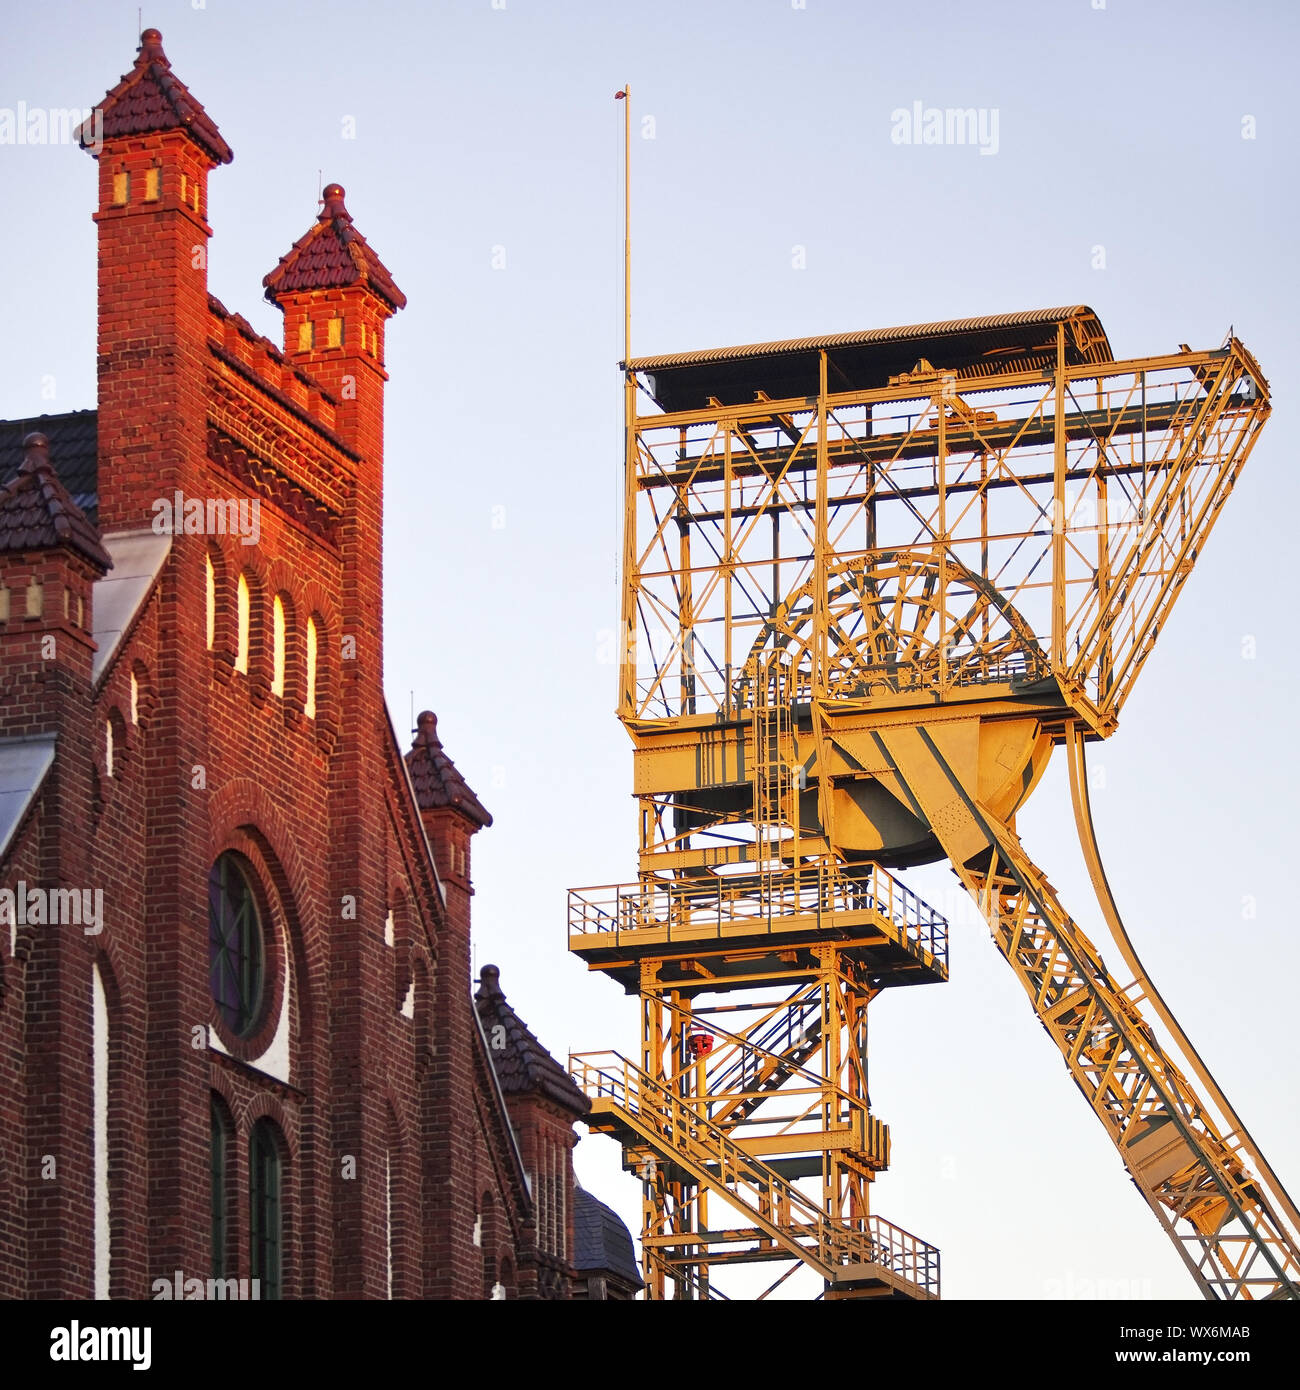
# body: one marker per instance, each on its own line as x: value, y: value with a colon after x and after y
x: 618, y: 96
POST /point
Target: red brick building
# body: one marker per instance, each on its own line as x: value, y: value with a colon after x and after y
x: 237, y: 1039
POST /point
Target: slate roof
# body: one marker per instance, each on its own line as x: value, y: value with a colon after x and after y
x: 523, y: 1066
x: 332, y: 254
x: 434, y: 775
x: 601, y: 1242
x: 138, y: 558
x: 36, y: 512
x: 74, y: 443
x: 152, y: 98
x: 23, y: 765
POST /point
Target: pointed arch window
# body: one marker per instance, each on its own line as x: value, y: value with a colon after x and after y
x: 277, y: 646
x: 211, y: 597
x: 388, y: 1216
x: 100, y: 1044
x: 243, y: 604
x: 219, y: 1177
x: 309, y: 705
x: 265, y: 1210
x: 236, y: 945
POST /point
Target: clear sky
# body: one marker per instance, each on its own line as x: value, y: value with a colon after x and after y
x: 479, y: 144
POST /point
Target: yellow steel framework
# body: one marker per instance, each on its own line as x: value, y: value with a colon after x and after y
x: 869, y: 583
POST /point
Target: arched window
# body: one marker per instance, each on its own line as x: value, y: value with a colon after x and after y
x: 309, y: 705
x: 211, y: 612
x: 236, y: 945
x: 277, y: 646
x: 265, y: 1213
x: 244, y: 607
x: 388, y: 1216
x: 99, y: 1086
x: 220, y: 1171
x: 114, y: 743
x: 487, y: 1237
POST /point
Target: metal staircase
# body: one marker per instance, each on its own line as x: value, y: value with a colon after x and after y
x: 864, y: 1254
x: 745, y: 1072
x: 1191, y: 1171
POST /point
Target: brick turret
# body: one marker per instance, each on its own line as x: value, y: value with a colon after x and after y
x: 544, y: 1102
x: 155, y: 146
x: 336, y: 296
x: 50, y: 557
x: 452, y: 814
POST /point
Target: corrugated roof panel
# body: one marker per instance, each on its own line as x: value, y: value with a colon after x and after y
x: 971, y: 347
x: 904, y: 333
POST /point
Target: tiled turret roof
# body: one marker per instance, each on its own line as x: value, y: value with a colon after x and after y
x: 151, y: 98
x: 434, y: 775
x: 523, y: 1066
x: 332, y: 254
x: 36, y: 512
x: 74, y: 443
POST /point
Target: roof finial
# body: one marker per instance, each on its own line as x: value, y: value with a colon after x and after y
x: 151, y: 48
x: 332, y: 195
x: 36, y: 452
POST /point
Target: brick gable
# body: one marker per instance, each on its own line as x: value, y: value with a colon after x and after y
x: 217, y: 701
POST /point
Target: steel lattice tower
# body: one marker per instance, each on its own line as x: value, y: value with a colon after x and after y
x: 870, y: 582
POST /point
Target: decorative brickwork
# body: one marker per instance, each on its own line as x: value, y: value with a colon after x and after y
x: 192, y: 727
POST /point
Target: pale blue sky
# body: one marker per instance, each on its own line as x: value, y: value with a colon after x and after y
x: 479, y: 128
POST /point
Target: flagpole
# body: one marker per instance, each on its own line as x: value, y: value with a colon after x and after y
x: 627, y: 569
x: 627, y: 223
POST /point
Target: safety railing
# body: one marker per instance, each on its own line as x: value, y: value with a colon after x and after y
x: 678, y: 1131
x: 905, y: 1254
x: 686, y: 909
